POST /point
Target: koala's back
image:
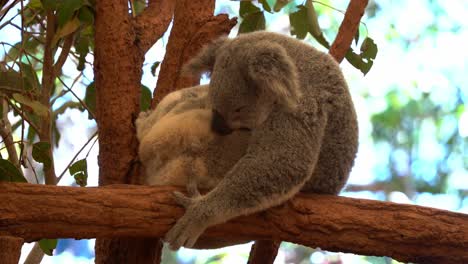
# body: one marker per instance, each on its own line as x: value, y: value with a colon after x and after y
x: 322, y: 84
x: 176, y: 141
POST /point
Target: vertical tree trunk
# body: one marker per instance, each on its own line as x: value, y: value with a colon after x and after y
x: 10, y: 249
x: 117, y: 73
x: 264, y: 251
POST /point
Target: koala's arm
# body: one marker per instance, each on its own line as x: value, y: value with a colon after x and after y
x: 264, y: 177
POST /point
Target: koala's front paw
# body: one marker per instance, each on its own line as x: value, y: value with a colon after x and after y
x: 192, y: 224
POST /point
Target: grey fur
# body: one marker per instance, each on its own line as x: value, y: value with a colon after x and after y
x: 177, y: 145
x: 295, y: 100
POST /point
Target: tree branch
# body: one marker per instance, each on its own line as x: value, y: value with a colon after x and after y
x: 48, y: 78
x: 117, y: 51
x: 264, y: 251
x: 348, y: 29
x: 194, y: 26
x: 67, y: 44
x: 403, y: 232
x: 10, y: 249
x: 153, y: 22
x: 6, y: 134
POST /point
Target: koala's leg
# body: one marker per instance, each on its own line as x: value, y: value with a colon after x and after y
x: 280, y: 159
x: 337, y: 154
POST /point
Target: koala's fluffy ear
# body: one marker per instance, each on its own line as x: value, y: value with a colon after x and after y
x: 273, y: 70
x: 204, y: 61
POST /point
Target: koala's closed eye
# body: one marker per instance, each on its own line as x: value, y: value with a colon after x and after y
x: 239, y: 109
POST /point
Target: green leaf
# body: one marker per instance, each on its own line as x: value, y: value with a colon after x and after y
x: 70, y: 27
x: 30, y: 75
x: 145, y: 99
x: 81, y: 62
x: 265, y: 5
x: 312, y: 20
x: 139, y: 6
x: 298, y: 22
x: 9, y: 173
x: 358, y: 62
x: 365, y: 59
x: 79, y: 170
x: 86, y: 15
x: 37, y: 107
x: 90, y: 99
x: 13, y: 52
x: 252, y: 22
x: 82, y: 44
x: 49, y: 4
x: 67, y: 10
x: 246, y: 7
x: 48, y: 245
x: 280, y: 4
x: 356, y: 37
x: 31, y: 134
x: 30, y: 45
x: 154, y: 67
x: 35, y: 4
x: 369, y: 49
x: 40, y: 153
x: 13, y: 81
x: 56, y: 134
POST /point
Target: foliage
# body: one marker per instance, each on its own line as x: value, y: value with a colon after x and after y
x: 303, y: 21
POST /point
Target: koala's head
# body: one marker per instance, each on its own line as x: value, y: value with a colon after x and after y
x: 248, y: 81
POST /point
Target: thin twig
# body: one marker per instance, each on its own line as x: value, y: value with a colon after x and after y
x: 78, y: 98
x: 67, y: 44
x: 23, y: 116
x: 6, y: 10
x: 33, y: 170
x: 64, y: 92
x: 76, y: 155
x: 6, y: 133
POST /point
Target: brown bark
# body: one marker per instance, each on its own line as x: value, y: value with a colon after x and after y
x: 404, y: 232
x: 48, y: 78
x: 194, y: 26
x: 153, y: 22
x: 120, y: 44
x: 348, y: 29
x: 10, y: 249
x: 264, y: 251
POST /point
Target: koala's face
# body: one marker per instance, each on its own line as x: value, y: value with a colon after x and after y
x: 236, y: 100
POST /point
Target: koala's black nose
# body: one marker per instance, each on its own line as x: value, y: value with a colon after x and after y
x: 219, y: 125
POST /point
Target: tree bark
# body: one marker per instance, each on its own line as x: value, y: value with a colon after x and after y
x: 404, y: 232
x: 194, y: 26
x: 120, y: 46
x: 264, y: 251
x: 10, y: 249
x: 348, y: 29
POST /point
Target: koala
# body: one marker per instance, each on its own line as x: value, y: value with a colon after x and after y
x: 178, y: 146
x: 296, y: 104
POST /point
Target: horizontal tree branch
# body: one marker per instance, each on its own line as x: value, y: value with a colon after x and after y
x: 403, y: 232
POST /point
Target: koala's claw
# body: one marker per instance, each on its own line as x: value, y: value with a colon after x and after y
x: 190, y: 226
x: 192, y: 188
x: 181, y: 199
